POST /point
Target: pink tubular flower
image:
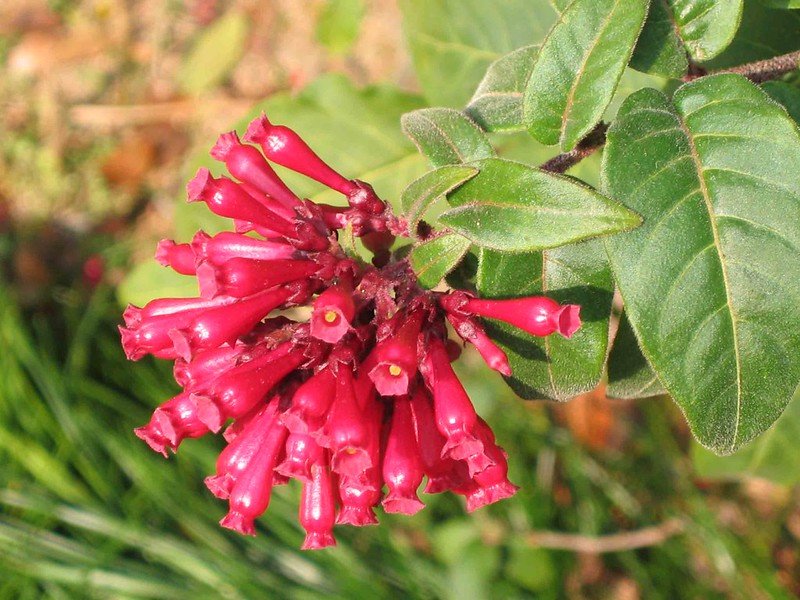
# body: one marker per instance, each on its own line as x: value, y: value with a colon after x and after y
x: 455, y: 415
x: 345, y: 432
x: 537, y: 315
x: 396, y: 358
x: 180, y: 257
x: 333, y: 310
x: 228, y: 199
x: 283, y: 146
x: 224, y: 246
x: 402, y: 465
x: 358, y: 398
x: 318, y: 509
x: 248, y: 165
x: 471, y: 331
x: 310, y: 403
x: 171, y: 423
x: 242, y: 277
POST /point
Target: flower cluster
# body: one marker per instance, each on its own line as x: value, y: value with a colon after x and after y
x: 350, y: 390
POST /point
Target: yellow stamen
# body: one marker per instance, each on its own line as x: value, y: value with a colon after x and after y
x: 395, y: 371
x: 331, y: 316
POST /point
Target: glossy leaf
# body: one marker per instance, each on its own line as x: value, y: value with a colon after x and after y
x: 446, y: 136
x: 706, y: 27
x: 579, y: 66
x: 497, y: 103
x: 763, y: 33
x: 629, y: 374
x: 552, y: 368
x: 516, y: 208
x: 433, y: 259
x: 772, y: 456
x: 418, y: 197
x: 453, y: 41
x: 785, y: 94
x: 659, y: 50
x: 214, y: 54
x: 711, y: 281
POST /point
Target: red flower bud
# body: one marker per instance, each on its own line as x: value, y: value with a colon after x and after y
x: 236, y: 456
x: 441, y: 472
x: 402, y: 465
x: 224, y: 324
x: 317, y: 509
x: 206, y: 366
x: 537, y: 315
x: 247, y: 164
x: 171, y: 423
x: 471, y: 331
x: 237, y: 391
x: 224, y: 246
x: 241, y: 277
x: 228, y: 199
x: 250, y: 495
x: 283, y: 146
x: 180, y: 257
x: 345, y: 432
x: 302, y: 451
x: 310, y: 403
x: 333, y: 310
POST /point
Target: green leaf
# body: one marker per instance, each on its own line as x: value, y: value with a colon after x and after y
x: 711, y: 281
x: 560, y: 5
x: 706, y: 27
x: 785, y: 94
x: 215, y: 53
x: 659, y: 50
x: 453, y: 41
x: 772, y: 456
x: 781, y: 3
x: 516, y: 208
x: 629, y: 374
x: 578, y: 68
x: 552, y: 368
x: 434, y: 259
x: 418, y: 197
x: 446, y: 136
x: 338, y: 24
x: 763, y: 33
x: 497, y: 103
x: 150, y: 280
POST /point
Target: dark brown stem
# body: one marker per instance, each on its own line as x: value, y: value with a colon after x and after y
x: 763, y: 70
x: 588, y: 145
x: 757, y: 72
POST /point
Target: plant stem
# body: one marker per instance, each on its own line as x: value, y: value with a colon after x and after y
x: 588, y: 145
x: 757, y: 72
x: 762, y: 70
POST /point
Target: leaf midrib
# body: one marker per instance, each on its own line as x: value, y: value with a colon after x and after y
x: 712, y: 217
x: 589, y: 52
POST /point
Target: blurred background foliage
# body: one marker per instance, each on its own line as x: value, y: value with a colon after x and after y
x: 107, y: 108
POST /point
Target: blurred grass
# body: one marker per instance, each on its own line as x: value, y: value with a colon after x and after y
x: 87, y: 510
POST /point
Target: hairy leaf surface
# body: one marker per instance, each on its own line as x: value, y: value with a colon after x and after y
x: 446, y: 136
x: 578, y: 68
x: 516, y: 208
x: 433, y: 259
x: 711, y: 281
x: 552, y: 368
